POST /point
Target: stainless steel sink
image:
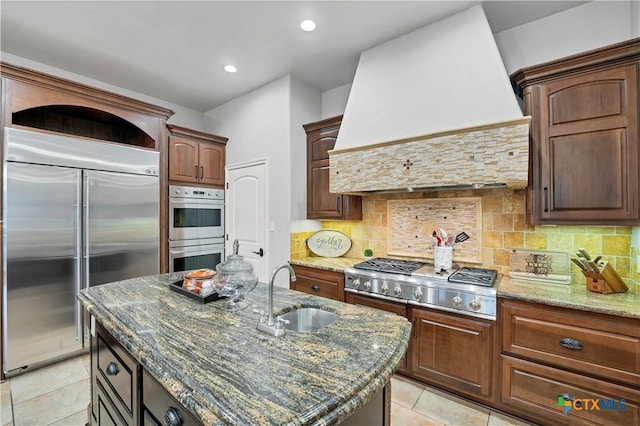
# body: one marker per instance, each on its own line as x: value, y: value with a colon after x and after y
x: 307, y: 320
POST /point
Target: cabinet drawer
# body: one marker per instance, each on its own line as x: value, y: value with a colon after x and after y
x: 594, y: 344
x: 159, y: 406
x: 107, y: 414
x: 319, y: 282
x: 532, y: 390
x: 118, y: 373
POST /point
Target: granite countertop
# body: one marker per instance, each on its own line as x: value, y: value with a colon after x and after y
x: 224, y: 371
x: 573, y: 296
x: 336, y: 264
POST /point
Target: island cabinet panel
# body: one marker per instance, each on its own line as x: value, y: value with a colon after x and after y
x: 160, y: 408
x: 322, y: 204
x: 115, y: 381
x: 551, y: 352
x: 196, y: 157
x: 319, y: 282
x: 584, y: 137
x: 383, y: 305
x: 453, y: 352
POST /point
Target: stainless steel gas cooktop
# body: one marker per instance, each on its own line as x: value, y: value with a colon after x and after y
x: 470, y: 291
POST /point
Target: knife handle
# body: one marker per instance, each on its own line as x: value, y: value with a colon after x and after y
x: 579, y: 263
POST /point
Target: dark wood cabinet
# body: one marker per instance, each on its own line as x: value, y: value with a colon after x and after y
x: 319, y: 282
x: 584, y: 137
x: 453, y: 352
x: 551, y: 353
x: 322, y: 204
x: 196, y: 157
x: 115, y: 382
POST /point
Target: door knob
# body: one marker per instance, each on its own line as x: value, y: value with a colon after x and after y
x: 259, y: 252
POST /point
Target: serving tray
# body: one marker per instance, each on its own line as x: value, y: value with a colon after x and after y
x: 177, y: 287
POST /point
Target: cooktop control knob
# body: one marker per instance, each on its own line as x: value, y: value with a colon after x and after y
x: 384, y: 288
x: 367, y: 285
x: 356, y: 283
x: 397, y: 291
x: 475, y: 304
x: 417, y: 294
x: 457, y: 302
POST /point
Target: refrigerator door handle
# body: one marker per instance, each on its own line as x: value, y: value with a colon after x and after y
x: 78, y: 258
x: 83, y: 225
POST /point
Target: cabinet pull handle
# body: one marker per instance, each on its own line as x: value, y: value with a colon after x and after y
x: 570, y: 343
x: 172, y: 417
x: 546, y: 199
x: 339, y: 202
x: 112, y: 369
x: 415, y: 330
x: 197, y: 170
x: 201, y: 172
x: 315, y: 287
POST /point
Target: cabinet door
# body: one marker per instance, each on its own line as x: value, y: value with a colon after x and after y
x: 183, y: 160
x: 589, y: 147
x: 321, y: 204
x: 453, y: 352
x: 211, y: 162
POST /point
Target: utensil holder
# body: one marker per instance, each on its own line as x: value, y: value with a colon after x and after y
x: 606, y: 281
x: 443, y: 257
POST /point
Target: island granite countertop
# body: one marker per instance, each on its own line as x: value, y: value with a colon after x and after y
x: 224, y: 371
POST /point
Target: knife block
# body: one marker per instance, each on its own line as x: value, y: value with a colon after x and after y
x: 606, y: 281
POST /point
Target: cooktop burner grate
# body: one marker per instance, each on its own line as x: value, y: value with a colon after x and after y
x: 475, y: 276
x: 393, y: 266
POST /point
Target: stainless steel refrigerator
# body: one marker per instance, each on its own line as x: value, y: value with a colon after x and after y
x: 76, y: 213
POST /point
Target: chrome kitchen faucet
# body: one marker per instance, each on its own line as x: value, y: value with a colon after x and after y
x: 268, y: 324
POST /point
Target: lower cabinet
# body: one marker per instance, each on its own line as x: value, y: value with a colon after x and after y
x: 453, y: 352
x: 160, y: 408
x: 115, y: 382
x: 319, y: 282
x: 567, y: 367
x: 552, y: 396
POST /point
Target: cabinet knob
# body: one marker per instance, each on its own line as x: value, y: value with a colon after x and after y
x: 315, y: 287
x: 172, y: 417
x: 112, y: 369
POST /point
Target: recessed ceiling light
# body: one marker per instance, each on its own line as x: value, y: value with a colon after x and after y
x: 308, y: 25
x: 230, y: 68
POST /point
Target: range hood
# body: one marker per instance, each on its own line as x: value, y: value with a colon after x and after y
x: 431, y: 110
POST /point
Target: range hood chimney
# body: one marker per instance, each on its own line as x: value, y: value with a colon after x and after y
x: 433, y: 109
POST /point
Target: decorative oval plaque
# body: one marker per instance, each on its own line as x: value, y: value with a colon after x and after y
x: 329, y: 243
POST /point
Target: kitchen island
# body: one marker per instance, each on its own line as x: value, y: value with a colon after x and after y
x: 224, y: 371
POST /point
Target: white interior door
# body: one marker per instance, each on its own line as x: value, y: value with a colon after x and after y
x: 246, y: 215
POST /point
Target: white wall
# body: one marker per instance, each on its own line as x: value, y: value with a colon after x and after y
x: 185, y: 117
x: 306, y: 103
x: 258, y: 126
x: 576, y: 30
x: 334, y: 101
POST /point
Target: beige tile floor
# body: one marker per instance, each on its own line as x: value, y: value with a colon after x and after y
x: 59, y: 394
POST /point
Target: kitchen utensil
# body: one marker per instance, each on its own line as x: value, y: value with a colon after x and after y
x: 597, y: 259
x: 579, y: 263
x: 606, y: 280
x: 584, y: 253
x: 450, y: 241
x: 593, y: 266
x: 461, y: 237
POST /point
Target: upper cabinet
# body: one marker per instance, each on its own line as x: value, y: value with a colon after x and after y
x: 322, y: 204
x: 584, y: 137
x: 196, y: 157
x: 48, y: 103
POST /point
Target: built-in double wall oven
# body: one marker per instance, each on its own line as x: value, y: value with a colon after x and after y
x: 196, y: 227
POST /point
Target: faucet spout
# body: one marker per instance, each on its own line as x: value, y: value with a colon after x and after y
x: 270, y: 320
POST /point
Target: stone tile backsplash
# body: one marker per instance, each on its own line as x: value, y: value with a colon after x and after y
x: 504, y: 228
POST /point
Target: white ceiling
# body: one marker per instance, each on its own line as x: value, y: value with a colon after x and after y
x: 175, y: 50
